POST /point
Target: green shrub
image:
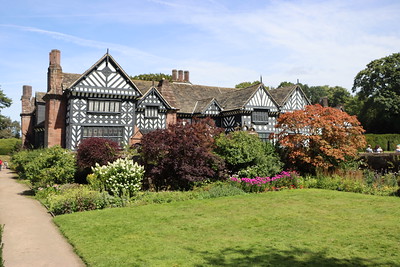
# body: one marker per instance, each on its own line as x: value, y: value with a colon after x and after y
x: 76, y: 198
x: 45, y: 167
x: 247, y: 156
x: 371, y: 183
x: 9, y: 145
x: 122, y: 177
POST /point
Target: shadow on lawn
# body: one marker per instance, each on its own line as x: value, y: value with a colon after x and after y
x: 294, y: 257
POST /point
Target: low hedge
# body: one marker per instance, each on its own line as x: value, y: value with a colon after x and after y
x: 388, y: 142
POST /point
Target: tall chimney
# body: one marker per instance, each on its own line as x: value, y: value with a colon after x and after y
x: 174, y: 75
x: 26, y: 116
x: 54, y: 73
x: 180, y: 75
x: 55, y: 56
x: 186, y: 76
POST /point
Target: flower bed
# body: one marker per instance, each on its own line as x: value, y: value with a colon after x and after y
x: 284, y: 180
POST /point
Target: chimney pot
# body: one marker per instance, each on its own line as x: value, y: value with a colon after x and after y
x: 186, y: 76
x: 180, y: 75
x: 174, y: 75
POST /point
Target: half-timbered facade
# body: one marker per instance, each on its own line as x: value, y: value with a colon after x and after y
x: 105, y: 102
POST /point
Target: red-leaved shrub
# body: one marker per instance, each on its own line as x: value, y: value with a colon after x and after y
x: 96, y: 150
x: 176, y: 157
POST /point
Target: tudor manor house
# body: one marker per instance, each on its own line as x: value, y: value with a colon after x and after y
x: 105, y: 102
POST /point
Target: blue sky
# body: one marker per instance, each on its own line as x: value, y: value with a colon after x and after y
x: 221, y: 42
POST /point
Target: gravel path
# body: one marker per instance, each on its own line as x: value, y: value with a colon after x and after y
x: 30, y: 237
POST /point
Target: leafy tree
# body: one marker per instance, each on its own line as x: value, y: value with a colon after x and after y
x: 319, y: 137
x: 5, y: 102
x: 180, y: 155
x: 152, y: 77
x: 378, y: 85
x: 247, y: 155
x: 246, y: 84
x: 8, y: 128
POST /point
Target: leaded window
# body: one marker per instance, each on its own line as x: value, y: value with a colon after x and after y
x: 260, y: 116
x: 151, y: 112
x: 114, y: 133
x: 104, y: 106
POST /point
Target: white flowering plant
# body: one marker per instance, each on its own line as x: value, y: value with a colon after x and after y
x: 122, y: 177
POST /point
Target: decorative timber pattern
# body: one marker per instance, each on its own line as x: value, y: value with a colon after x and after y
x: 151, y: 111
x: 261, y: 99
x: 213, y: 109
x: 151, y: 123
x: 105, y: 79
x: 295, y: 101
x: 229, y: 123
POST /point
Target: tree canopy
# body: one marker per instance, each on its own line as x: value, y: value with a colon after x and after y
x: 5, y: 102
x: 8, y: 128
x: 319, y: 137
x: 378, y: 87
x: 246, y: 84
x: 152, y: 77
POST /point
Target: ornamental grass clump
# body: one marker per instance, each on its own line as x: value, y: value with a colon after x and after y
x: 284, y: 180
x: 122, y: 177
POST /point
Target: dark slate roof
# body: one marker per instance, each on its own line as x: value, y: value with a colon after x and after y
x: 201, y: 105
x: 237, y: 98
x: 69, y: 79
x: 144, y: 86
x: 280, y: 94
x: 39, y: 97
x: 187, y: 95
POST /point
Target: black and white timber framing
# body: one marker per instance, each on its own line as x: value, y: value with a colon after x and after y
x: 105, y: 102
x: 101, y: 103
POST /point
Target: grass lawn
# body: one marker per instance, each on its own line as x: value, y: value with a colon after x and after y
x: 288, y: 228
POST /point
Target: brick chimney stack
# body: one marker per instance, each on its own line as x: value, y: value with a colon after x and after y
x: 55, y: 103
x: 27, y: 116
x: 324, y: 101
x: 26, y: 99
x: 54, y: 73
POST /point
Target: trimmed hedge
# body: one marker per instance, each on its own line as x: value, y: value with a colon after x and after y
x: 388, y: 142
x: 9, y: 145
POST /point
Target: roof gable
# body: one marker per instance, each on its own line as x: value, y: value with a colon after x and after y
x: 261, y: 99
x: 153, y: 98
x: 105, y: 78
x: 209, y: 106
x: 295, y: 100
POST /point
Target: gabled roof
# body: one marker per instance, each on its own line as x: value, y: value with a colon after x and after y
x: 282, y: 94
x: 69, y: 78
x: 154, y: 90
x: 105, y: 73
x: 203, y: 105
x: 238, y: 98
x: 39, y: 97
x: 187, y: 95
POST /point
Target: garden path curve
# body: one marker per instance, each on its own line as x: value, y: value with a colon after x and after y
x: 30, y: 237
